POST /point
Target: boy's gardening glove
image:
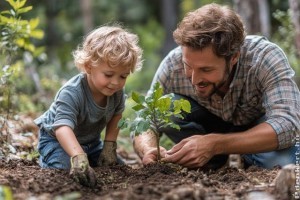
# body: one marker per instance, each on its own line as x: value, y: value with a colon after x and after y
x: 108, y: 155
x: 81, y: 171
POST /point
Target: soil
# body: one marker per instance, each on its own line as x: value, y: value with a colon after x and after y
x: 132, y: 181
x: 158, y: 181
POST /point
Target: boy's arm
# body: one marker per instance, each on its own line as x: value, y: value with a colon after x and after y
x: 108, y: 154
x: 68, y: 141
x: 80, y: 168
x: 112, y: 129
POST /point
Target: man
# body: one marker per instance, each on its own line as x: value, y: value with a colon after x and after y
x: 243, y: 96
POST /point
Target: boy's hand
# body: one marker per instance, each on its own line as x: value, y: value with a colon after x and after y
x: 81, y: 171
x: 108, y: 155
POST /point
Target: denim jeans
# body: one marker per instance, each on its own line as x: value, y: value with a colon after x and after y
x: 200, y: 122
x: 52, y: 155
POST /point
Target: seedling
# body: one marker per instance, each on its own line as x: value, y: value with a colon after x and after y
x: 154, y: 112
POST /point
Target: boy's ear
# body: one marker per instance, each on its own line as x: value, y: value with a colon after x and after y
x: 87, y: 68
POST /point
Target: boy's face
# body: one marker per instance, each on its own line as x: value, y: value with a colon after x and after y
x: 104, y: 80
x: 208, y: 73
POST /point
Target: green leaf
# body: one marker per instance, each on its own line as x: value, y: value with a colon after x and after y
x: 24, y: 10
x: 186, y: 106
x: 137, y: 97
x: 20, y: 3
x: 157, y: 93
x: 175, y: 126
x: 164, y: 103
x: 13, y: 4
x: 142, y: 126
x: 182, y: 104
x: 34, y: 23
x: 4, y: 19
x: 122, y: 123
x: 38, y: 34
x: 138, y: 107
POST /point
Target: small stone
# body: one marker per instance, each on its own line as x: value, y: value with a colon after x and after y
x: 285, y: 182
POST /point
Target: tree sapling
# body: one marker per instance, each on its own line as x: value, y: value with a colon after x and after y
x: 154, y: 112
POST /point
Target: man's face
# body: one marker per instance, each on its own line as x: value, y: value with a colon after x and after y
x: 208, y: 73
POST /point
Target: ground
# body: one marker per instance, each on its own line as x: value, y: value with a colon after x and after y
x: 26, y: 180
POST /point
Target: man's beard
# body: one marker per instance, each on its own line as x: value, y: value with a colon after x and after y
x: 217, y: 87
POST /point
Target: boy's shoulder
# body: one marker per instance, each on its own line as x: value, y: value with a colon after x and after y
x: 74, y: 85
x: 75, y: 81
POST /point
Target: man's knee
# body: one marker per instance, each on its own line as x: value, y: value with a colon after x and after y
x: 272, y: 159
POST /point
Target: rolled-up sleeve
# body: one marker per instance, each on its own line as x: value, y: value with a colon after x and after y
x: 281, y: 97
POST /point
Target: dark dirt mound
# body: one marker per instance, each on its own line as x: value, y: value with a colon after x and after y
x: 159, y: 181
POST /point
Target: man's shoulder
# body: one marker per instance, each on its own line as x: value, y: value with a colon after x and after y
x: 174, y: 59
x: 256, y: 42
x: 174, y: 54
x: 258, y: 47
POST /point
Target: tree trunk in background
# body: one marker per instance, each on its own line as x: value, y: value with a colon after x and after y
x: 264, y: 15
x: 87, y: 14
x: 169, y: 13
x: 51, y: 36
x: 295, y: 8
x: 255, y: 15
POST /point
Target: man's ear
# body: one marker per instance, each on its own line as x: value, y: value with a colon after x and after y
x: 235, y: 58
x: 87, y: 68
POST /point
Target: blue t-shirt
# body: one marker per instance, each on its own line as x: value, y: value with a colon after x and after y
x: 74, y: 106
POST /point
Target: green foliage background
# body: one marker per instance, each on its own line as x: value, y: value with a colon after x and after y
x: 29, y: 55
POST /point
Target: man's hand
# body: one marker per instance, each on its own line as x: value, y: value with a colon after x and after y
x: 150, y: 156
x: 108, y: 155
x: 81, y: 171
x: 192, y: 152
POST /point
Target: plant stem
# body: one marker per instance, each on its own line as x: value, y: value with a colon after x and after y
x: 157, y: 145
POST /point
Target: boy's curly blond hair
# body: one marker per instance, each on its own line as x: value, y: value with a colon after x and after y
x: 112, y: 45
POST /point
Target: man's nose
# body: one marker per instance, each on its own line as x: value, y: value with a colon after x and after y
x: 188, y: 73
x: 197, y: 78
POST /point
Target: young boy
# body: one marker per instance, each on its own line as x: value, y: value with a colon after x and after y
x: 69, y: 136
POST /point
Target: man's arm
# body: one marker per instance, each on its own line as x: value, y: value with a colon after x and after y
x: 261, y: 138
x: 197, y: 150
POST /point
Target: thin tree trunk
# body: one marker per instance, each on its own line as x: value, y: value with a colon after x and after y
x: 264, y: 15
x: 247, y: 10
x: 169, y: 13
x: 87, y: 14
x: 295, y: 8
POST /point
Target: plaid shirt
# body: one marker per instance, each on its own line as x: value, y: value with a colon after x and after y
x: 263, y: 85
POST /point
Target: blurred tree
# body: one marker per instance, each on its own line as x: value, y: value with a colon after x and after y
x: 256, y: 21
x: 264, y: 15
x: 295, y: 15
x: 16, y: 35
x: 169, y: 17
x: 87, y: 15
